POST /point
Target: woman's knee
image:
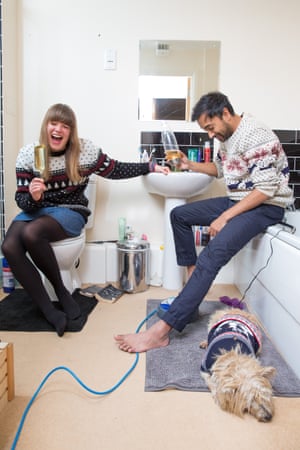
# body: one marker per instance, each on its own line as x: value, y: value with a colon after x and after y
x: 8, y: 246
x: 4, y: 248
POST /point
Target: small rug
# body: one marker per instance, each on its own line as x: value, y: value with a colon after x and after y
x: 19, y: 313
x: 177, y: 366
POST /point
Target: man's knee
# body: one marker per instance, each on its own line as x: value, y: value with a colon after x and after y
x: 176, y: 213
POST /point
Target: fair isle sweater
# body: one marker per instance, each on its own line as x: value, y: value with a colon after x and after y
x: 253, y: 158
x: 60, y: 190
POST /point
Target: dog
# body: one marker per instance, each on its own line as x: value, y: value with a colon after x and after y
x: 238, y: 382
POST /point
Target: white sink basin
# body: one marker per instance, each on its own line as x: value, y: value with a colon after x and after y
x: 177, y: 184
x: 176, y: 188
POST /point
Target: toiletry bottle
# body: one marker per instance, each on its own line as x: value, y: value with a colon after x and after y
x: 205, y: 238
x: 207, y: 151
x: 122, y: 228
x: 7, y: 277
x: 193, y: 154
x: 199, y: 155
x: 145, y: 156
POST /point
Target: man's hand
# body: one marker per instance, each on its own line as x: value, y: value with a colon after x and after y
x: 217, y: 225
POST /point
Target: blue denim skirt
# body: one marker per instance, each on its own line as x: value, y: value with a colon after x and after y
x: 71, y: 221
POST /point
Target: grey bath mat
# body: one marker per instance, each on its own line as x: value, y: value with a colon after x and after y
x: 177, y: 366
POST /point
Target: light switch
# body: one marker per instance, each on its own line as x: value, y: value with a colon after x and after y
x: 110, y: 59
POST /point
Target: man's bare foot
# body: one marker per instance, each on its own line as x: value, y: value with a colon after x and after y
x: 155, y: 337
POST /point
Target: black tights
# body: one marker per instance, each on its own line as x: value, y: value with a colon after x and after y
x: 33, y: 238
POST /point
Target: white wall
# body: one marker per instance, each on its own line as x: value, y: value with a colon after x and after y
x: 11, y: 96
x: 62, y: 44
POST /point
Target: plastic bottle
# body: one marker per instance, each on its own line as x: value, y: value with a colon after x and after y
x: 205, y: 237
x: 207, y: 151
x: 122, y: 228
x: 7, y: 277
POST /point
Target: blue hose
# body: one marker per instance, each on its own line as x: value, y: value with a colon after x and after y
x: 92, y: 391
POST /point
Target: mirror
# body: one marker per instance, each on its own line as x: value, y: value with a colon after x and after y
x: 173, y: 75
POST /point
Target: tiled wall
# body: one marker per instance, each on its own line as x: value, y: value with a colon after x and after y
x: 2, y: 221
x: 290, y: 140
x: 152, y: 140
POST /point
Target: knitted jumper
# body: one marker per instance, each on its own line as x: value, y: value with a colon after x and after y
x: 231, y: 331
x: 60, y: 190
x: 253, y: 158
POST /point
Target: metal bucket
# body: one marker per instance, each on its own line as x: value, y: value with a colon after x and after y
x: 134, y: 267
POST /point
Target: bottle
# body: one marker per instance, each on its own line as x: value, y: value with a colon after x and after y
x: 193, y: 154
x: 145, y: 156
x: 207, y: 151
x: 199, y: 155
x: 7, y: 277
x: 205, y: 237
x: 122, y: 228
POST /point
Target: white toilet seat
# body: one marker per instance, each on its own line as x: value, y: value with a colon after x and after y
x: 69, y: 241
x: 68, y: 251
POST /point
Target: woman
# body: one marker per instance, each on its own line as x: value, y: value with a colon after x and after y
x: 54, y: 207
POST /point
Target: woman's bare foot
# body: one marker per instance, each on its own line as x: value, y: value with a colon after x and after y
x: 155, y: 337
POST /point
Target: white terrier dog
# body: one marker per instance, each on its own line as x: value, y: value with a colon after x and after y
x: 233, y: 374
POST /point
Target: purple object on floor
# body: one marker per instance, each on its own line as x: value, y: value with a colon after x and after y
x: 234, y: 302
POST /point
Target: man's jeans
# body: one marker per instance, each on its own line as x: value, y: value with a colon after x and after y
x: 232, y: 238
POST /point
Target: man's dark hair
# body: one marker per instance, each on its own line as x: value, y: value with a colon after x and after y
x: 212, y: 104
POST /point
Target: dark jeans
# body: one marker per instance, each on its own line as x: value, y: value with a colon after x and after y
x: 234, y: 236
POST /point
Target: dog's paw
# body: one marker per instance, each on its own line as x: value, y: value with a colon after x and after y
x: 203, y: 344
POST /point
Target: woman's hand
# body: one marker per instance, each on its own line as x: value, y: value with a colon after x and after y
x: 161, y: 169
x: 37, y: 188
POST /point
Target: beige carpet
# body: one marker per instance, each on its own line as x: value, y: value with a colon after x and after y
x: 65, y: 417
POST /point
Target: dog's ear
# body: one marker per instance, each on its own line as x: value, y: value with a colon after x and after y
x: 268, y: 372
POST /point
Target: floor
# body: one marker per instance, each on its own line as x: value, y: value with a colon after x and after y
x: 65, y: 416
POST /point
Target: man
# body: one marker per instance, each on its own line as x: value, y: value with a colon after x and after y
x: 255, y: 169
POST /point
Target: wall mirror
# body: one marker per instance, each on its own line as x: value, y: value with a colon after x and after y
x: 173, y: 75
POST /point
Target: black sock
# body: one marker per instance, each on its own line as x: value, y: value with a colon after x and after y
x: 69, y: 305
x: 58, y: 319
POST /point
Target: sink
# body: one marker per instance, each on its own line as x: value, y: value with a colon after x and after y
x: 177, y: 184
x: 176, y: 188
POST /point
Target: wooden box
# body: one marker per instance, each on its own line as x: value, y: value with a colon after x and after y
x: 7, y: 382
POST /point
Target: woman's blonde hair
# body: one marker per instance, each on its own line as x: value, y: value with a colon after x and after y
x: 63, y: 113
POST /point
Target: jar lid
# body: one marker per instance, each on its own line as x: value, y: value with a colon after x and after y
x: 133, y: 245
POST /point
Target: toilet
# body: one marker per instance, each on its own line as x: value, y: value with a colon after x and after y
x: 68, y: 251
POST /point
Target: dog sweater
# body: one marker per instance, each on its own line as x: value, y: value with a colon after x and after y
x: 226, y: 334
